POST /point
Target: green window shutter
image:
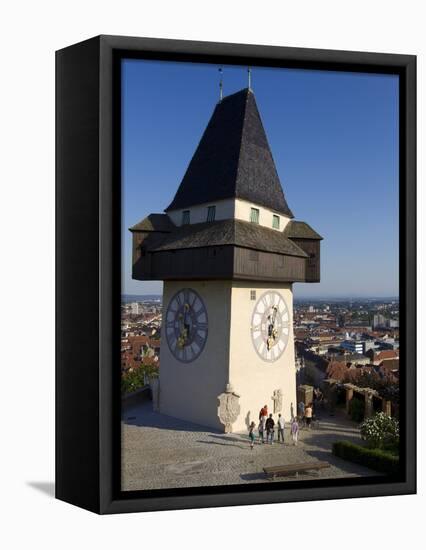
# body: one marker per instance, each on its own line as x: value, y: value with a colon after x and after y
x: 275, y: 222
x: 254, y: 215
x: 185, y: 217
x: 211, y: 213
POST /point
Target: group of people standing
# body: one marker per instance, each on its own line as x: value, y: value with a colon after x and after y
x: 266, y: 428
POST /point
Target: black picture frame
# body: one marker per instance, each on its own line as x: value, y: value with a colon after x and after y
x: 88, y: 272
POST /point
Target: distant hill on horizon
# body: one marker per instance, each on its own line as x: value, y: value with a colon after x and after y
x: 125, y: 298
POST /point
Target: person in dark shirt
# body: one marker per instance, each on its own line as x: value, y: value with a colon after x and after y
x: 270, y: 424
x: 261, y: 432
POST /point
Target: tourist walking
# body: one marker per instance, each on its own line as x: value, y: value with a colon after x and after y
x: 261, y: 429
x: 301, y: 411
x: 252, y: 437
x: 308, y: 415
x: 281, y: 425
x: 264, y: 419
x: 270, y: 424
x: 294, y: 429
x: 263, y: 412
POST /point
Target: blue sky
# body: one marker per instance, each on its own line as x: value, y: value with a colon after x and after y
x: 334, y: 139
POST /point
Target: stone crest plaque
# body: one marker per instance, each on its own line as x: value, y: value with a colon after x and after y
x: 229, y: 408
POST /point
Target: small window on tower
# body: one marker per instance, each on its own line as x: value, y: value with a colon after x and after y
x: 252, y: 295
x: 211, y: 213
x: 254, y: 215
x: 185, y: 217
x: 275, y: 222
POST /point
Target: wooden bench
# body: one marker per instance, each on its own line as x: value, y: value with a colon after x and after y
x: 287, y: 469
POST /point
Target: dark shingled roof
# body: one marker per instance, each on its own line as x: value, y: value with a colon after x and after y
x: 300, y: 230
x: 229, y: 232
x: 233, y: 160
x: 155, y: 222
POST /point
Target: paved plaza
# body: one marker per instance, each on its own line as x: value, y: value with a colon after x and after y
x: 162, y: 452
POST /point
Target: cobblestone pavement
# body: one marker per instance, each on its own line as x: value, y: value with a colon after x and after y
x: 159, y: 451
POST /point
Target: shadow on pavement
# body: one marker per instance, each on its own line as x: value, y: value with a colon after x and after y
x: 143, y: 415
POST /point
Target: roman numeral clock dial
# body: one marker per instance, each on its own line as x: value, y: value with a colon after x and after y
x: 270, y: 326
x: 186, y: 325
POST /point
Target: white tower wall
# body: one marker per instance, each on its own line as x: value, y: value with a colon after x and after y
x: 189, y: 391
x: 252, y: 378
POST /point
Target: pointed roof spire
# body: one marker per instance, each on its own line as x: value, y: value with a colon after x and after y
x: 249, y: 78
x: 233, y: 160
x: 220, y: 84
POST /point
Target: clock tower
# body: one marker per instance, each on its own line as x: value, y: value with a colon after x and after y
x: 228, y: 250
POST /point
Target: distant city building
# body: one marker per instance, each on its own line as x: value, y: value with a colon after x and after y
x: 379, y: 320
x: 369, y: 345
x: 341, y: 321
x: 353, y: 346
x: 378, y: 357
x: 388, y: 344
x: 136, y: 308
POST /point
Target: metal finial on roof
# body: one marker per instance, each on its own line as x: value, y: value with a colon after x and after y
x: 220, y: 84
x: 249, y: 77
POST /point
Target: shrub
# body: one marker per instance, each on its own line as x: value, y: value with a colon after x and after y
x: 136, y: 379
x: 356, y: 410
x: 376, y: 459
x: 132, y: 381
x: 380, y: 431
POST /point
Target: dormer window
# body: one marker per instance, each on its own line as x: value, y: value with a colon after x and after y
x: 211, y: 213
x: 185, y: 217
x: 275, y: 222
x: 254, y: 215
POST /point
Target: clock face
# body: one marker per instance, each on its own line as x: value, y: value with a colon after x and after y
x: 186, y: 325
x: 270, y: 326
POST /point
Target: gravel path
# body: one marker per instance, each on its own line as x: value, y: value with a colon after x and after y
x: 159, y: 451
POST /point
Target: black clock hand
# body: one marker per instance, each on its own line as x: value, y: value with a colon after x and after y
x: 271, y: 327
x: 185, y: 328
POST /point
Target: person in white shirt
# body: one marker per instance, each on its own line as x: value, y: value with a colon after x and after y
x: 281, y: 426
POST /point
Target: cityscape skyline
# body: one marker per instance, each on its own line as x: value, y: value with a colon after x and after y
x: 300, y: 297
x: 347, y: 128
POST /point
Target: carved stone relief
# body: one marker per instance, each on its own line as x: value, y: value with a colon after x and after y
x: 277, y: 398
x: 229, y: 408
